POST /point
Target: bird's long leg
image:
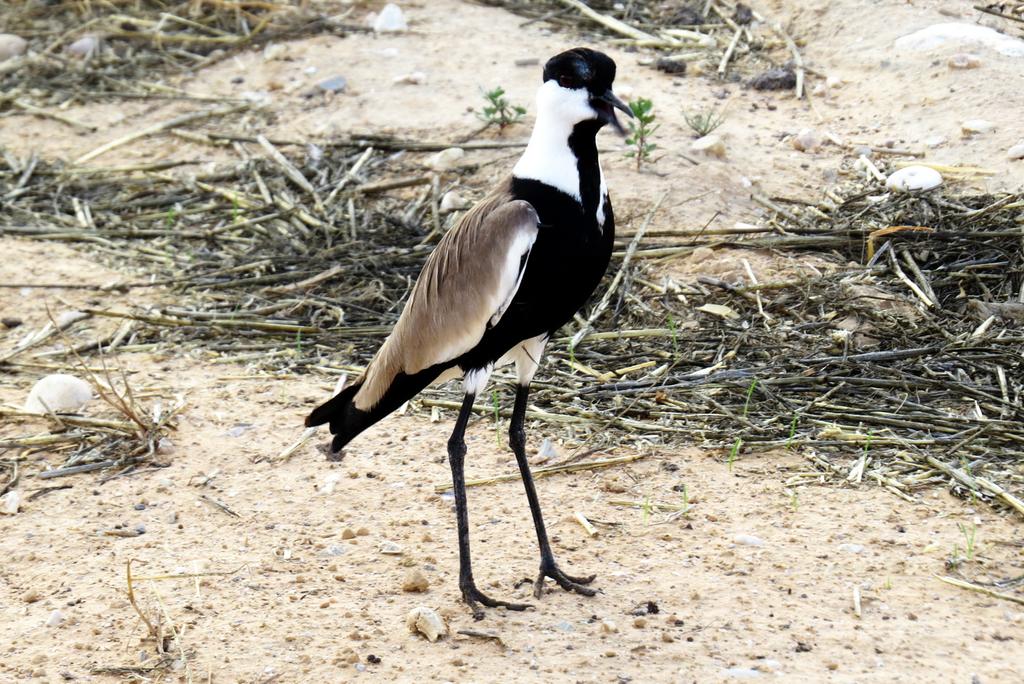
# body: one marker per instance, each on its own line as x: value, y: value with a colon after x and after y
x: 548, y: 567
x: 456, y: 456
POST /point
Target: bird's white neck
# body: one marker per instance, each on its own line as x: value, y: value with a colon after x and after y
x: 548, y: 158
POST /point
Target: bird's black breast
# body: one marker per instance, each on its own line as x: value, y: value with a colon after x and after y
x: 566, y: 264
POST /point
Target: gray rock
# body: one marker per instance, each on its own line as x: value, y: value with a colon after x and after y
x: 780, y: 78
x: 11, y: 46
x: 334, y: 84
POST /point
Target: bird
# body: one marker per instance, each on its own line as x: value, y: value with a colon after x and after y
x: 512, y: 271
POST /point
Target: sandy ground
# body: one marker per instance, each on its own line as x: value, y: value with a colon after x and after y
x: 683, y: 599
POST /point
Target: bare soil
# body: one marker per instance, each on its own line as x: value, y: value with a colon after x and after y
x: 682, y: 598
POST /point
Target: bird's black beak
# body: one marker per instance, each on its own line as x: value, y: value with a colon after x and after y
x: 606, y: 104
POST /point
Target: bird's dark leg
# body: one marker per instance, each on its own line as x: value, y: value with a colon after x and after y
x: 456, y: 456
x: 548, y: 567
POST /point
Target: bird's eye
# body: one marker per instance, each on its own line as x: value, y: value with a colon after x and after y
x: 567, y: 82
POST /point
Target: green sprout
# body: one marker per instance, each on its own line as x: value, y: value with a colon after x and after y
x: 499, y: 111
x: 704, y: 122
x: 641, y: 128
x: 969, y: 534
x: 645, y: 509
x: 172, y: 216
x: 750, y: 393
x: 792, y: 431
x: 735, y: 452
x: 675, y: 336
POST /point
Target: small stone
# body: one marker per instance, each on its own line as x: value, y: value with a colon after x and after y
x: 446, y: 159
x: 914, y: 179
x: 453, y: 201
x: 55, y: 620
x: 347, y: 533
x: 59, y: 393
x: 427, y: 622
x: 1017, y: 151
x: 330, y: 483
x: 547, y: 451
x: 171, y: 518
x: 390, y: 20
x: 362, y: 532
x: 564, y: 626
x: 415, y: 78
x: 390, y: 548
x: 780, y: 78
x: 748, y: 540
x: 667, y: 638
x: 671, y: 66
x: 851, y: 548
x: 165, y: 447
x: 609, y: 626
x: 85, y: 47
x: 415, y: 581
x: 11, y: 46
x: 31, y: 596
x: 976, y: 126
x: 963, y: 60
x: 334, y: 550
x: 10, y: 503
x: 936, y: 141
x: 334, y: 84
x: 275, y: 52
x: 807, y: 140
x: 10, y: 322
x: 711, y: 145
x: 639, y: 622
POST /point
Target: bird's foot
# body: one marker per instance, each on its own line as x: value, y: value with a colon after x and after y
x: 474, y: 597
x: 567, y: 582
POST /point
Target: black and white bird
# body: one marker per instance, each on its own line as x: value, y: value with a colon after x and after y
x: 515, y: 269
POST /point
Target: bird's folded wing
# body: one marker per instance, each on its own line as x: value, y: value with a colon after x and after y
x: 465, y: 286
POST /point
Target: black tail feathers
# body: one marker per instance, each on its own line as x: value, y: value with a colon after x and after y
x: 347, y: 421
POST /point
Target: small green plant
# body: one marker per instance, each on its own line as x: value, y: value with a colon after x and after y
x: 704, y: 122
x: 735, y: 452
x: 172, y: 216
x: 675, y: 336
x: 750, y: 393
x: 645, y: 510
x: 236, y: 210
x: 641, y: 128
x: 298, y: 343
x: 499, y: 111
x: 969, y: 534
x: 792, y: 431
x: 794, y: 500
x: 888, y: 583
x: 497, y: 425
x: 686, y: 502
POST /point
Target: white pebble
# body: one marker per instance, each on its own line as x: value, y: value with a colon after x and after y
x: 275, y: 51
x: 961, y: 33
x: 807, y: 140
x: 55, y: 619
x: 914, y: 179
x: 66, y: 318
x: 446, y: 159
x: 58, y: 393
x: 165, y: 447
x: 963, y: 60
x: 1017, y: 151
x: 453, y: 201
x: 851, y: 548
x: 85, y: 47
x: 427, y: 622
x: 415, y: 78
x: 748, y: 540
x: 548, y: 450
x: 11, y: 46
x: 10, y: 502
x: 973, y: 126
x: 711, y: 145
x: 330, y: 483
x: 935, y: 141
x: 609, y: 626
x: 390, y: 20
x: 390, y: 548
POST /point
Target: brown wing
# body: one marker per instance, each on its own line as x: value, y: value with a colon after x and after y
x: 467, y: 281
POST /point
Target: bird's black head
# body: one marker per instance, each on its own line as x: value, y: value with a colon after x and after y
x: 584, y: 70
